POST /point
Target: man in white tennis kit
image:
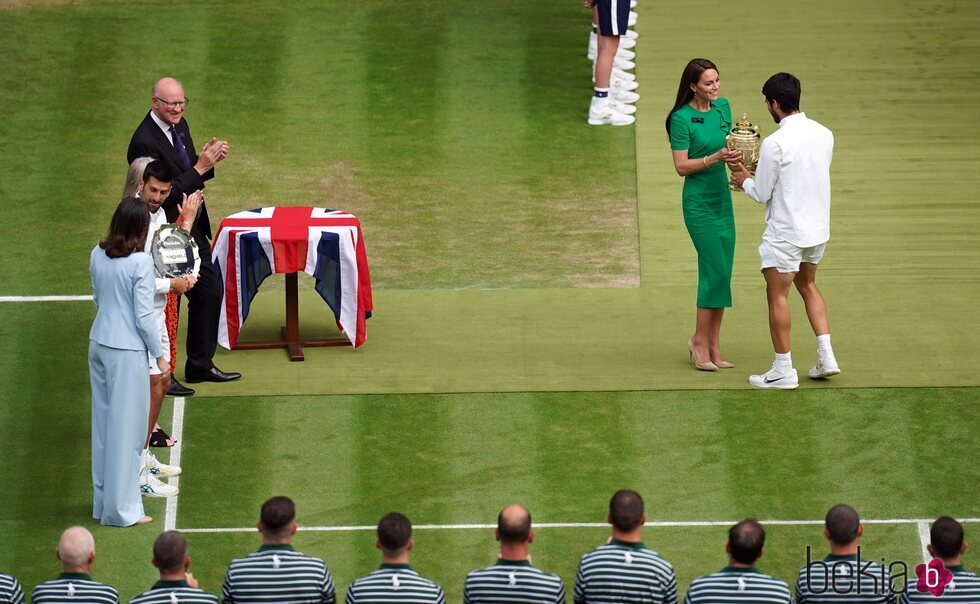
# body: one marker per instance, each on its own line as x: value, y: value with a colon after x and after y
x: 793, y: 181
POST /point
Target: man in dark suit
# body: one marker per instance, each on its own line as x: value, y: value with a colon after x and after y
x: 165, y: 135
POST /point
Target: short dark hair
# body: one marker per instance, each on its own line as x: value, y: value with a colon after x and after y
x: 394, y: 531
x: 514, y: 530
x: 946, y: 537
x: 745, y: 541
x: 159, y: 170
x: 170, y: 551
x: 842, y: 523
x: 278, y: 514
x: 127, y: 229
x: 626, y: 510
x: 783, y: 88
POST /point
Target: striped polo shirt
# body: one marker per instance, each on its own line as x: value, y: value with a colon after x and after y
x: 733, y: 585
x: 76, y: 588
x: 822, y: 580
x: 278, y: 573
x: 513, y: 581
x: 174, y: 592
x: 10, y: 590
x: 395, y: 583
x: 964, y: 588
x: 620, y: 571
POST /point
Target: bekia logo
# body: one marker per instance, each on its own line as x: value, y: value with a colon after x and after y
x: 933, y: 577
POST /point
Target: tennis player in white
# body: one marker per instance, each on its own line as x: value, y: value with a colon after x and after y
x: 793, y: 181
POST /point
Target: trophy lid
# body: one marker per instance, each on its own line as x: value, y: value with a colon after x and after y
x: 745, y: 129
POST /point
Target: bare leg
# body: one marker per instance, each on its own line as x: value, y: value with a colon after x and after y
x: 816, y: 308
x: 714, y: 335
x: 702, y: 334
x: 777, y: 292
x: 158, y: 387
x: 608, y: 45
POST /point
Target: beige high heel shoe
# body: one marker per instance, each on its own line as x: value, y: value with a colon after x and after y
x: 709, y: 366
x: 723, y: 364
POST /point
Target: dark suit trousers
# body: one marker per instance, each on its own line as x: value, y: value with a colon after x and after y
x: 203, y: 309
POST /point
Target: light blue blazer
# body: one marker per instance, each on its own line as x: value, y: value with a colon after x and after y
x: 123, y: 290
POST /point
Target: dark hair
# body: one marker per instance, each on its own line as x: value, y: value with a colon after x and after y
x: 783, y: 88
x: 842, y: 523
x: 158, y: 170
x: 169, y: 551
x: 278, y: 514
x: 745, y: 541
x: 127, y: 229
x: 514, y: 529
x: 692, y: 75
x: 394, y: 531
x: 626, y: 510
x: 946, y: 537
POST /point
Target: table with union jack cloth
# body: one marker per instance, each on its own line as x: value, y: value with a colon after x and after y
x: 326, y: 244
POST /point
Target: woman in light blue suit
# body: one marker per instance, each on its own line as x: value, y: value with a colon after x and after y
x: 124, y: 330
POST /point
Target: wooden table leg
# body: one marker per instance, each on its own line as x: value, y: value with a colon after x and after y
x: 290, y: 333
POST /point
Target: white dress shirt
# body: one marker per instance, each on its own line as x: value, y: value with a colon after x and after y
x: 793, y: 180
x: 165, y: 127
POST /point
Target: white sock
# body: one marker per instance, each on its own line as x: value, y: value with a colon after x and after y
x: 784, y: 361
x: 600, y: 97
x: 824, y: 350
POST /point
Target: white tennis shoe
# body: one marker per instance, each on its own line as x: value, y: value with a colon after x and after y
x: 606, y: 114
x: 154, y: 467
x: 150, y: 486
x: 623, y: 96
x: 824, y: 368
x: 775, y: 378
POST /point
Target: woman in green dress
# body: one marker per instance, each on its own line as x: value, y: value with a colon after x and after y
x: 697, y: 126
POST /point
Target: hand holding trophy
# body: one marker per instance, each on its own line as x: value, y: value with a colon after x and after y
x: 745, y: 138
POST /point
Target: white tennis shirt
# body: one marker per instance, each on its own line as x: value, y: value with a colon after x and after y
x: 793, y: 180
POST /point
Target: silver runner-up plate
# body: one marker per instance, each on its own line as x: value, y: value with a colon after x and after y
x: 175, y: 252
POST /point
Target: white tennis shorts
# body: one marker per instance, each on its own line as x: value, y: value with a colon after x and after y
x: 164, y: 341
x: 786, y: 257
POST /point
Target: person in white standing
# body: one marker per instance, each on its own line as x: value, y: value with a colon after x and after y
x: 793, y: 181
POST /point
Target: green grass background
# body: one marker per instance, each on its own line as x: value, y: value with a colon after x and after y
x: 534, y: 282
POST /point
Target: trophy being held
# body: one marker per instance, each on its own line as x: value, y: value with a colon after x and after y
x: 175, y: 252
x: 745, y: 138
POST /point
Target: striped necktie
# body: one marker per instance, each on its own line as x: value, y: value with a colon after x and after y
x: 180, y: 148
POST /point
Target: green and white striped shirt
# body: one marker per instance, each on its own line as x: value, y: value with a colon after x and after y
x: 624, y: 572
x: 77, y: 588
x: 733, y: 585
x: 10, y: 590
x: 513, y: 581
x: 840, y: 579
x: 965, y: 588
x: 278, y: 574
x: 174, y: 592
x: 394, y: 584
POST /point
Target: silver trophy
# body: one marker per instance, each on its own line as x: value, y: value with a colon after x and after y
x: 175, y: 252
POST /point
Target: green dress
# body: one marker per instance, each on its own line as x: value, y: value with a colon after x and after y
x: 707, y: 202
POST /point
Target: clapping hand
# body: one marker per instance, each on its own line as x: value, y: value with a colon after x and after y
x: 212, y: 152
x: 188, y: 209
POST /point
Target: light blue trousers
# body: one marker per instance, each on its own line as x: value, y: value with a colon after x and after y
x: 120, y: 412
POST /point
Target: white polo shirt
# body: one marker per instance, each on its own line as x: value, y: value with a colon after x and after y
x: 793, y: 180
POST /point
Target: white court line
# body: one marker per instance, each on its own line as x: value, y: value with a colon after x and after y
x: 924, y: 540
x: 693, y: 523
x: 177, y: 432
x: 45, y: 298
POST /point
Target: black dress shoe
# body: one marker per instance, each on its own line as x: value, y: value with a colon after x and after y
x: 178, y: 389
x: 212, y: 375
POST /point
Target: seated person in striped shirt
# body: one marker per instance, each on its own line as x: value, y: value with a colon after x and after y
x: 395, y: 582
x: 624, y: 570
x: 176, y: 584
x: 740, y: 581
x: 10, y: 590
x: 277, y: 572
x: 845, y: 575
x: 946, y: 544
x: 513, y: 578
x: 76, y: 552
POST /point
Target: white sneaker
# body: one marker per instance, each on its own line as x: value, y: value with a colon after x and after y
x: 621, y: 107
x: 626, y: 43
x: 623, y: 96
x: 824, y: 368
x: 606, y: 114
x: 622, y: 75
x: 618, y: 84
x: 784, y: 380
x: 622, y: 53
x: 154, y: 467
x: 150, y: 486
x: 632, y: 19
x: 629, y: 33
x: 632, y: 3
x: 623, y: 63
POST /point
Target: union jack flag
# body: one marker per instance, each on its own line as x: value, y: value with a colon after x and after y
x: 325, y: 244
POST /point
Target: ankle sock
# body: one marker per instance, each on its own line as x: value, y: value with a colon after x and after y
x: 784, y: 361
